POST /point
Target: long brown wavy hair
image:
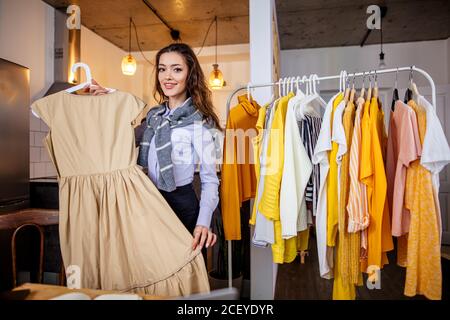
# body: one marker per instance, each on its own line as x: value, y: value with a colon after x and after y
x: 196, y: 86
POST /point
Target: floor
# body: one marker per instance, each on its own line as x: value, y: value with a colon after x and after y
x: 302, y: 281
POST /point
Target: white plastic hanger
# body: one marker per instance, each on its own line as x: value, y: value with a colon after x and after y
x: 34, y: 113
x: 322, y: 102
x: 295, y: 101
x: 249, y: 96
x: 88, y: 76
x: 81, y: 85
x: 304, y: 81
x: 412, y: 85
x: 285, y: 84
x: 311, y: 95
x: 297, y: 85
x: 279, y: 87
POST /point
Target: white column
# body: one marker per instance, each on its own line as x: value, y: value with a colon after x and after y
x: 263, y: 270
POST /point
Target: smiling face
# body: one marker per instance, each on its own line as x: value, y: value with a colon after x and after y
x: 172, y: 74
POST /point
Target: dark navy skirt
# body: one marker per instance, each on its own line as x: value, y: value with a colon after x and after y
x: 184, y: 202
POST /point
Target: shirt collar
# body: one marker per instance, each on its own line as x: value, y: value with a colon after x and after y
x: 170, y: 111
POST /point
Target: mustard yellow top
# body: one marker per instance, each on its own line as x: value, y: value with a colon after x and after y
x: 347, y: 271
x: 238, y: 181
x: 257, y: 148
x: 374, y: 176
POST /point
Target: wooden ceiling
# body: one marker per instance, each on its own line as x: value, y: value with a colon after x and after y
x: 333, y: 23
x: 301, y: 23
x: 110, y: 20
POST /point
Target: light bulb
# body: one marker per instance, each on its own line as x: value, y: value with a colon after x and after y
x: 382, y: 63
x: 129, y: 65
x: 216, y: 78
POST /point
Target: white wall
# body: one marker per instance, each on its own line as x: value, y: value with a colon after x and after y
x: 105, y: 60
x: 432, y: 56
x: 26, y: 38
x: 448, y: 60
x: 263, y: 271
x: 233, y: 60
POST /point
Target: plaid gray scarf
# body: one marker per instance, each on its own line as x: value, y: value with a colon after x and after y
x: 160, y: 127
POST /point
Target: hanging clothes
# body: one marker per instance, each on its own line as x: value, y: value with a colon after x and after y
x: 297, y: 170
x: 373, y: 175
x: 337, y: 150
x: 423, y: 273
x: 263, y: 234
x: 114, y: 224
x: 309, y: 128
x: 347, y: 271
x: 321, y: 157
x: 403, y: 147
x: 269, y: 205
x: 357, y: 206
x: 238, y: 180
x: 435, y: 150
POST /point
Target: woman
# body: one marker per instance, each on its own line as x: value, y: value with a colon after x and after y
x: 185, y: 100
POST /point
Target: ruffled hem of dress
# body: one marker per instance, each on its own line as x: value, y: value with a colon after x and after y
x: 189, y: 279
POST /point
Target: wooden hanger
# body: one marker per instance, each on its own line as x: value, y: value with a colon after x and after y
x: 362, y: 92
x: 369, y: 91
x: 375, y: 88
x: 347, y: 88
x: 352, y: 92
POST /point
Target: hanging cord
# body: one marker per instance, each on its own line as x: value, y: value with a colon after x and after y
x: 137, y: 40
x: 129, y: 38
x: 206, y: 35
x: 216, y: 37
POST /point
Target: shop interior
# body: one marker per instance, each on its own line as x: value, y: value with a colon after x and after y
x: 258, y: 48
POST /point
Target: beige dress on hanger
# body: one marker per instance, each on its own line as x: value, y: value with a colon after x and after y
x: 114, y: 225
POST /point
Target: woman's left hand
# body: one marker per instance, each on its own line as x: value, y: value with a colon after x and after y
x: 201, y: 235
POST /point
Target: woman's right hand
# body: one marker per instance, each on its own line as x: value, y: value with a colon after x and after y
x: 95, y: 89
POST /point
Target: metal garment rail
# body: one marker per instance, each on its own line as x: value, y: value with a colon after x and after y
x: 297, y: 80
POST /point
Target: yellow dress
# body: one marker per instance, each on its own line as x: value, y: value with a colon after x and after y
x: 332, y: 185
x: 423, y: 273
x: 347, y: 271
x: 114, y: 224
x: 373, y: 175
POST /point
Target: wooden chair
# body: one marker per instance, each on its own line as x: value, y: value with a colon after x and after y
x: 14, y: 253
x: 16, y: 220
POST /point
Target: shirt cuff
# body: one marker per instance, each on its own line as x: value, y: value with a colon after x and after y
x: 204, y: 217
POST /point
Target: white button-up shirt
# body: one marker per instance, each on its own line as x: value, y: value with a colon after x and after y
x: 192, y: 145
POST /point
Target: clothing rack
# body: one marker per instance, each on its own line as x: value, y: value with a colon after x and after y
x: 333, y: 77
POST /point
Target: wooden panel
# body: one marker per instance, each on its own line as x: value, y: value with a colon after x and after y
x: 110, y: 20
x: 318, y: 24
x: 41, y: 217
